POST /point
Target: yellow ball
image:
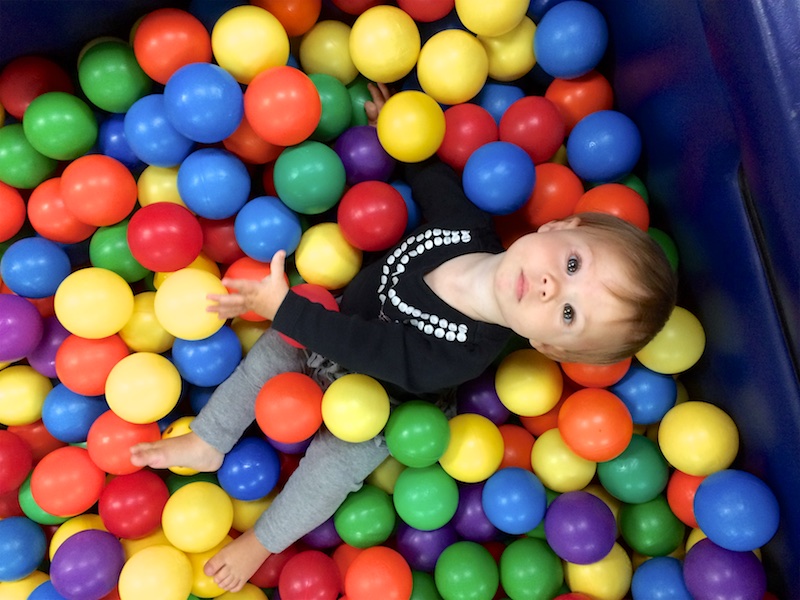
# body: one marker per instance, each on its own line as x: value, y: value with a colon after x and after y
x: 511, y: 54
x: 695, y: 535
x: 197, y: 517
x: 204, y: 586
x: 475, y: 450
x: 201, y: 263
x: 491, y: 18
x: 326, y: 258
x: 384, y: 43
x: 607, y: 579
x: 411, y: 126
x: 677, y: 347
x: 158, y: 571
x: 143, y: 332
x: 355, y: 408
x: 246, y: 40
x: 93, y: 303
x: 325, y: 48
x: 248, y: 592
x: 452, y: 66
x: 181, y: 303
x: 131, y: 547
x: 247, y: 512
x: 698, y: 438
x: 528, y: 383
x: 71, y: 527
x: 21, y: 588
x: 385, y: 476
x: 143, y: 387
x: 159, y: 184
x: 22, y: 393
x: 177, y: 428
x: 557, y: 466
x: 248, y: 332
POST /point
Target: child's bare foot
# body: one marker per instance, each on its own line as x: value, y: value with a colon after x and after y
x: 187, y: 450
x: 236, y: 563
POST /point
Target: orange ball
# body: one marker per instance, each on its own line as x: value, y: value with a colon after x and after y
x: 618, y: 200
x: 83, y: 364
x: 681, y: 490
x: 252, y: 269
x: 296, y: 16
x: 98, y: 190
x: 289, y: 408
x: 595, y: 424
x: 517, y: 445
x: 578, y: 97
x: 66, y: 482
x: 596, y: 376
x: 378, y: 572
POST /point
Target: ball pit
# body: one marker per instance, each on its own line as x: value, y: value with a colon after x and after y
x: 103, y: 336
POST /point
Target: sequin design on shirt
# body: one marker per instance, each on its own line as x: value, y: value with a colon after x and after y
x: 396, y: 265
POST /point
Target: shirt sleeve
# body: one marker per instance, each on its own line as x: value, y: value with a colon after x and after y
x: 437, y: 189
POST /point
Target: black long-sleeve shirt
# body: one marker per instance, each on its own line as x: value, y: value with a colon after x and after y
x: 391, y: 325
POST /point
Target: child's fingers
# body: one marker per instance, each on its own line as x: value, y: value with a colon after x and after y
x: 276, y: 265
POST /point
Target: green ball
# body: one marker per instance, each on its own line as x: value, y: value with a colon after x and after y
x: 366, y: 518
x: 425, y: 498
x: 667, y: 244
x: 530, y: 569
x: 60, y: 125
x: 417, y: 433
x: 637, y: 475
x: 651, y: 528
x: 111, y: 78
x: 21, y: 165
x: 359, y: 94
x: 175, y: 482
x: 32, y: 510
x: 309, y: 177
x: 466, y: 571
x: 637, y: 185
x: 424, y: 587
x: 109, y: 249
x: 337, y: 111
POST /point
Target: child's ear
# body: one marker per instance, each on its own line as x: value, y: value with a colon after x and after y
x: 565, y: 223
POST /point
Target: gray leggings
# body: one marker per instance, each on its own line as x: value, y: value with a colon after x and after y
x: 331, y: 468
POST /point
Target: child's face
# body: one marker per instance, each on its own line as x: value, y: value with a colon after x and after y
x: 554, y: 288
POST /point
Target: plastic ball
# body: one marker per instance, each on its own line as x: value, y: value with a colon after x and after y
x: 467, y: 128
x: 604, y: 146
x: 245, y: 143
x: 247, y: 40
x: 595, y: 424
x: 43, y: 357
x: 637, y: 475
x: 110, y: 76
x: 528, y: 383
x: 159, y: 184
x: 68, y: 416
x: 159, y: 571
x: 16, y: 461
x: 490, y: 19
x: 143, y: 387
x: 337, y: 110
x: 323, y: 536
x: 600, y: 376
x: 427, y: 11
x: 571, y: 39
x: 181, y: 301
x: 131, y: 505
x: 677, y: 347
x: 421, y: 549
x: 197, y: 517
x: 557, y: 466
x: 13, y: 208
x: 647, y: 394
x: 514, y: 500
x: 108, y: 249
x: 578, y: 97
x: 21, y: 327
x: 308, y: 574
x: 362, y: 155
x: 164, y: 237
x: 372, y: 215
x: 417, y: 433
x: 203, y: 102
x: 21, y: 165
x: 710, y: 571
x: 660, y: 576
x: 366, y: 517
x: 470, y: 520
x: 411, y: 126
x: 250, y: 470
x: 265, y: 225
x: 499, y: 177
x: 528, y: 567
x: 208, y: 362
x: 310, y: 177
x: 51, y: 218
x: 384, y: 43
x: 425, y: 498
x: 580, y: 527
x: 93, y: 302
x: 22, y: 589
x: 511, y: 54
x: 467, y: 570
x: 22, y: 548
x: 475, y: 450
x: 151, y: 135
x: 167, y: 39
x: 607, y: 579
x: 112, y: 142
x: 325, y: 49
x: 651, y: 528
x: 83, y: 365
x: 378, y: 572
x: 681, y: 491
x: 98, y: 190
x: 479, y: 396
x: 66, y: 482
x: 324, y: 257
x: 534, y: 124
x: 60, y: 125
x: 452, y: 66
x: 698, y: 438
x: 355, y: 408
x: 296, y: 16
x: 25, y: 77
x: 34, y: 267
x: 618, y: 200
x: 87, y: 565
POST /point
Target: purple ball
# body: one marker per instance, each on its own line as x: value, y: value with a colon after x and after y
x: 479, y: 396
x: 323, y: 536
x: 470, y: 521
x: 87, y: 565
x: 421, y: 549
x: 21, y: 327
x: 580, y: 527
x: 290, y: 448
x: 43, y: 357
x: 712, y: 572
x: 362, y: 155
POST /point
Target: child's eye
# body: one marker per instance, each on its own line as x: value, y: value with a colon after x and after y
x: 573, y: 264
x: 568, y: 313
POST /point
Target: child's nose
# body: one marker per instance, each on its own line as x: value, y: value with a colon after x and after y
x: 548, y: 288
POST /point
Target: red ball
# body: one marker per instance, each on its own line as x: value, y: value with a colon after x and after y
x: 578, y: 97
x: 28, y: 77
x: 282, y: 105
x: 131, y: 505
x: 67, y: 482
x: 372, y: 215
x: 681, y: 490
x: 83, y: 365
x: 467, y: 128
x: 245, y: 143
x: 251, y: 269
x: 38, y: 438
x: 268, y: 574
x: 219, y: 240
x: 296, y: 16
x: 50, y: 217
x: 12, y: 207
x: 310, y: 574
x: 315, y: 293
x: 595, y: 424
x: 164, y: 237
x: 9, y: 505
x: 618, y: 200
x: 110, y: 439
x: 289, y: 407
x: 99, y: 190
x: 534, y: 124
x: 355, y: 7
x: 378, y: 572
x: 16, y: 461
x: 597, y: 376
x: 427, y: 11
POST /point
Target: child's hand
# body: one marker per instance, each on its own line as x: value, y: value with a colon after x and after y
x: 262, y: 297
x: 380, y: 94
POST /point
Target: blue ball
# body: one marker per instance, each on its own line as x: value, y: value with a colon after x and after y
x: 68, y: 416
x: 736, y: 510
x: 213, y: 183
x: 659, y: 578
x: 414, y: 213
x: 112, y: 142
x: 495, y: 98
x: 514, y: 500
x: 250, y: 470
x: 34, y: 267
x: 604, y: 146
x: 647, y: 394
x: 571, y: 39
x: 265, y: 225
x: 199, y: 396
x: 45, y: 591
x: 499, y: 177
x: 22, y: 547
x: 151, y: 135
x: 208, y: 362
x: 204, y: 102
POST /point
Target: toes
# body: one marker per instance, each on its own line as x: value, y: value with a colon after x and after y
x: 212, y: 568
